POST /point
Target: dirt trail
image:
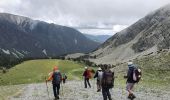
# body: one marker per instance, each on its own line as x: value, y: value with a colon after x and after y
x: 74, y: 90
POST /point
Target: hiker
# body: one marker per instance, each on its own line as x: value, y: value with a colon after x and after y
x: 107, y: 83
x: 99, y: 75
x: 87, y: 76
x: 64, y: 77
x: 130, y: 79
x: 56, y: 78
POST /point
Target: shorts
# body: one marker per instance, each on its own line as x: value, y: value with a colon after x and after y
x: 129, y: 86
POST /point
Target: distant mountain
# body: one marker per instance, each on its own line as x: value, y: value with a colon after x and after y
x: 23, y: 37
x: 98, y: 38
x: 147, y: 36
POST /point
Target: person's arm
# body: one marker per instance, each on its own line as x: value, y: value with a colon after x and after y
x: 50, y: 77
x: 113, y: 75
x: 96, y: 74
x: 126, y: 76
x: 84, y: 74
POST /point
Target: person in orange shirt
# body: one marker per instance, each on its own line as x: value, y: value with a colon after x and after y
x: 56, y: 78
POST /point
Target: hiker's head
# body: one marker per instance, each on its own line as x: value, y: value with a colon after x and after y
x: 85, y: 68
x: 99, y: 69
x: 130, y: 64
x: 55, y: 68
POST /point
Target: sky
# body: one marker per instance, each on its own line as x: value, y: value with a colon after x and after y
x: 111, y: 16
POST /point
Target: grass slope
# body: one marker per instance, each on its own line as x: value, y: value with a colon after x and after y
x: 36, y: 71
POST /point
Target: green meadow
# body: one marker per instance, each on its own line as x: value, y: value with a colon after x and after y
x: 34, y: 71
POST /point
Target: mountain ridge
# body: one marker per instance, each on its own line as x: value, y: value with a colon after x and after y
x: 147, y: 35
x: 24, y: 37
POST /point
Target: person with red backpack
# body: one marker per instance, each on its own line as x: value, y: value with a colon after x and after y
x: 87, y: 76
x: 133, y: 76
x: 56, y: 78
x: 107, y: 82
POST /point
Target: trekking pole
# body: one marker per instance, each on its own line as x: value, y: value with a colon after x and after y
x: 62, y: 89
x: 47, y: 88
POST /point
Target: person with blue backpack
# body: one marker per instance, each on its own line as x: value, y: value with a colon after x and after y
x: 56, y: 78
x: 133, y: 76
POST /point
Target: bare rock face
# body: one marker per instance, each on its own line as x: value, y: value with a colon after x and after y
x: 24, y: 37
x: 149, y: 34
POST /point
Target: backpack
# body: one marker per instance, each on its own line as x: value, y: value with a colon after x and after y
x: 56, y: 78
x: 137, y: 75
x: 108, y: 79
x: 89, y: 74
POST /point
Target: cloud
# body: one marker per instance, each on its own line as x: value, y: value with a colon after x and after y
x: 117, y: 28
x: 84, y: 13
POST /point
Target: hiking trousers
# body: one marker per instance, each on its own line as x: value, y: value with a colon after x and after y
x: 64, y: 80
x: 86, y: 81
x: 98, y: 84
x: 106, y: 93
x: 56, y: 87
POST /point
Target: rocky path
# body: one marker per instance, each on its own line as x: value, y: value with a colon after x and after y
x: 73, y: 90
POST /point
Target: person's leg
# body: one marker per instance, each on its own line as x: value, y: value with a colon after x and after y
x: 88, y: 82
x: 104, y: 93
x: 85, y: 83
x: 64, y: 80
x: 108, y: 94
x: 98, y: 86
x: 54, y: 90
x: 58, y: 90
x: 129, y: 88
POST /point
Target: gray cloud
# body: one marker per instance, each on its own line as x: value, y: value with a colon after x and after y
x: 91, y: 13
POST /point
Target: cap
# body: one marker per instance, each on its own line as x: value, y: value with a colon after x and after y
x: 130, y: 63
x: 99, y: 68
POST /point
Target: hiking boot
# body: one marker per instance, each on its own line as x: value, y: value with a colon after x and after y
x: 131, y: 96
x: 58, y: 97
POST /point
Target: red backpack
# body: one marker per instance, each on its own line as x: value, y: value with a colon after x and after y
x: 89, y: 73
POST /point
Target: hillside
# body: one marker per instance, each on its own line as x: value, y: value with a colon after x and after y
x: 148, y: 35
x: 23, y: 37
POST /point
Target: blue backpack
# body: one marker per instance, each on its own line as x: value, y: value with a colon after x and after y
x: 56, y: 78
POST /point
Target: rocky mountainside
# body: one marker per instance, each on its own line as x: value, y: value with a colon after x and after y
x: 24, y: 37
x: 148, y: 35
